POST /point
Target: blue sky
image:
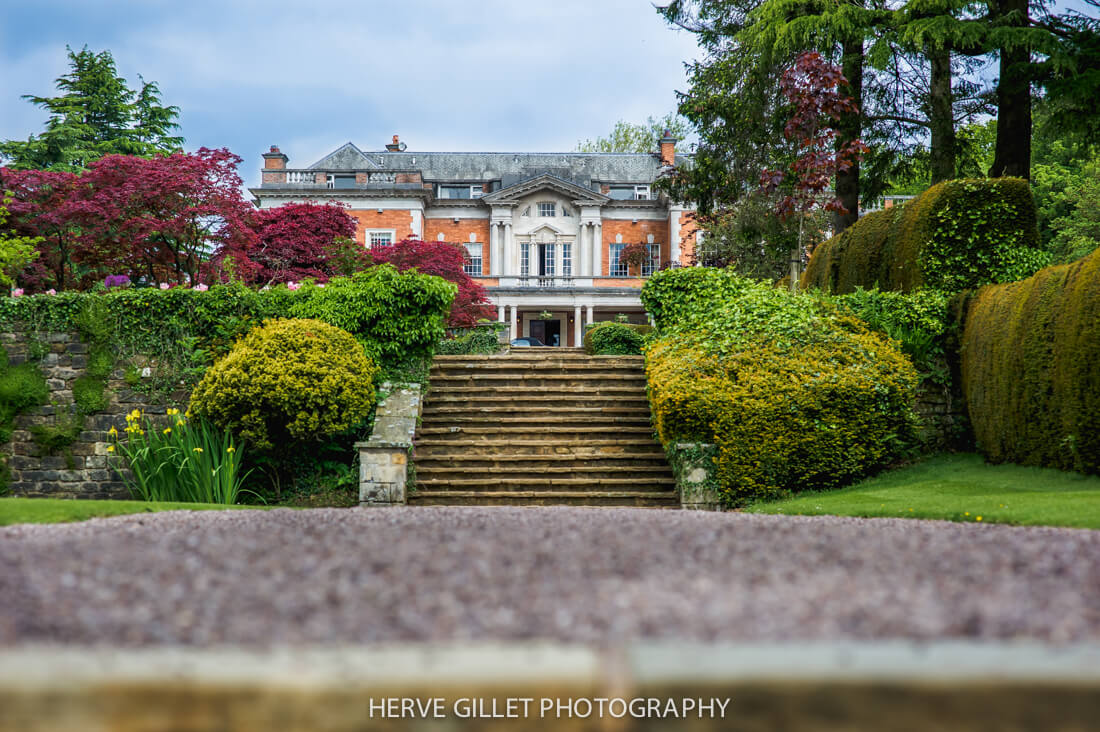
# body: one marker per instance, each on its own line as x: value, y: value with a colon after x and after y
x: 309, y: 76
x: 479, y: 75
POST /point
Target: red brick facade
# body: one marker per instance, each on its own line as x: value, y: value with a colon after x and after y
x: 632, y: 234
x: 397, y: 220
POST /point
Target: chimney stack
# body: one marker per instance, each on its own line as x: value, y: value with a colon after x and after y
x: 396, y: 145
x: 668, y: 149
x: 274, y: 161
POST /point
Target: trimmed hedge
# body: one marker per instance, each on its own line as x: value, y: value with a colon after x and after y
x: 795, y: 394
x: 483, y: 339
x: 397, y: 316
x: 956, y: 235
x: 1031, y: 368
x: 611, y: 338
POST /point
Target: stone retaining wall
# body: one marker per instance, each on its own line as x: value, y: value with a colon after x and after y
x: 81, y: 470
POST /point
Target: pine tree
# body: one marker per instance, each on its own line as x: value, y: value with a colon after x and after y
x: 96, y: 114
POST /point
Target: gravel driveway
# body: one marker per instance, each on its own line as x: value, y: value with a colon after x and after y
x: 332, y: 576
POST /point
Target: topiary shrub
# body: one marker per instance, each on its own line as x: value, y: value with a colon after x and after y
x: 288, y: 382
x: 482, y: 339
x: 795, y: 394
x: 957, y: 234
x: 1031, y: 368
x: 611, y: 338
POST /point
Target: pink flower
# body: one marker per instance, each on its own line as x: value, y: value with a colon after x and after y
x: 51, y: 291
x: 17, y: 292
x: 201, y: 288
x: 321, y: 285
x: 164, y: 285
x: 292, y: 285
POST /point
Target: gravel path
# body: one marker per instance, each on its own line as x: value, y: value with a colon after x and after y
x: 333, y: 576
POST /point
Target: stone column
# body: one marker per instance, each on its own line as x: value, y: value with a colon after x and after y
x: 578, y: 329
x: 500, y: 313
x: 509, y: 255
x: 590, y: 319
x: 582, y: 251
x: 597, y: 249
x: 514, y: 321
x: 494, y: 249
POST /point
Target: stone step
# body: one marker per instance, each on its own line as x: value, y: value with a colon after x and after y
x: 467, y: 412
x: 546, y: 476
x: 545, y: 498
x: 607, y: 466
x: 555, y: 366
x: 558, y: 354
x: 567, y: 380
x: 542, y: 484
x: 456, y: 423
x: 589, y: 389
x: 532, y: 402
x: 535, y: 431
x: 434, y: 448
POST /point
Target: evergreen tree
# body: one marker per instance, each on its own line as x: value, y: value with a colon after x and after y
x: 638, y: 138
x: 96, y: 114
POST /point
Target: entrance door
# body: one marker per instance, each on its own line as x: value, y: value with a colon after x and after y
x: 547, y: 331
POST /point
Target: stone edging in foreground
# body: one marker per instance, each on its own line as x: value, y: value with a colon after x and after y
x: 819, y: 686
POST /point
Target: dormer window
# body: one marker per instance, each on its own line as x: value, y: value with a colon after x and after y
x: 466, y: 191
x: 547, y: 209
x: 341, y: 181
x: 630, y: 193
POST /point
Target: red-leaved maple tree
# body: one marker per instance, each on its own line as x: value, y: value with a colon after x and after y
x: 39, y: 207
x: 445, y: 260
x: 153, y: 219
x: 813, y: 87
x: 297, y: 241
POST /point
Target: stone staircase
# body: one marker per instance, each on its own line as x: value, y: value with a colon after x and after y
x: 539, y: 426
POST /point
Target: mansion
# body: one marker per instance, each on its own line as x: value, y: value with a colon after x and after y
x: 544, y: 231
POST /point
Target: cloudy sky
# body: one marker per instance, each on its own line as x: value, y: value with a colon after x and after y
x: 481, y: 75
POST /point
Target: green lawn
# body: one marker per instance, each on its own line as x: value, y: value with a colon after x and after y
x: 960, y: 488
x: 59, y: 510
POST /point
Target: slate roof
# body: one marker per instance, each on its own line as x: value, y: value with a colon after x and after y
x: 583, y: 169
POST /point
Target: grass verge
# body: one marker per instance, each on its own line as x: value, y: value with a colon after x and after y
x: 960, y: 487
x: 63, y: 510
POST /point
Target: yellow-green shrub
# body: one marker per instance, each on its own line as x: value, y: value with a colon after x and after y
x: 611, y: 338
x: 795, y: 394
x: 1031, y: 368
x: 955, y: 235
x: 287, y: 382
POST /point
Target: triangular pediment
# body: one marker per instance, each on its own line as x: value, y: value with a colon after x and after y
x: 546, y: 182
x: 345, y: 157
x: 546, y: 228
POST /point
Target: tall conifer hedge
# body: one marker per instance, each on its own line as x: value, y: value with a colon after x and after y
x: 956, y: 235
x: 1031, y: 368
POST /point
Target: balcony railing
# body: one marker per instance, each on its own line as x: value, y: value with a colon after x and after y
x: 341, y: 179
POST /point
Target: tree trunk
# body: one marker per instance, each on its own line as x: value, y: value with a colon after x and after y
x: 1012, y: 154
x: 941, y: 115
x: 850, y: 129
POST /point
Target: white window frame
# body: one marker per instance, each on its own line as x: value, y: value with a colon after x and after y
x: 473, y: 265
x: 616, y: 268
x: 652, y: 264
x: 549, y: 253
x: 543, y: 206
x: 525, y: 259
x: 641, y: 193
x: 474, y: 190
x: 369, y: 234
x: 566, y: 259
